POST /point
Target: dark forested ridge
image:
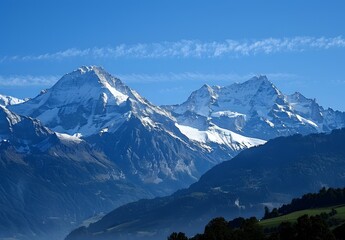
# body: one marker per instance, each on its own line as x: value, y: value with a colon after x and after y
x: 324, y: 198
x: 323, y: 226
x: 306, y: 228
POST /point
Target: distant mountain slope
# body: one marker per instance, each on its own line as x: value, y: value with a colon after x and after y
x: 270, y: 174
x: 255, y: 108
x: 324, y: 198
x: 51, y: 182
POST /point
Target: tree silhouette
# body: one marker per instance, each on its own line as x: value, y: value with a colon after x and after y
x: 339, y: 232
x: 177, y: 236
x: 217, y: 229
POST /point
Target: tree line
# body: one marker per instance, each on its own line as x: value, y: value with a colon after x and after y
x: 305, y: 228
x: 324, y: 198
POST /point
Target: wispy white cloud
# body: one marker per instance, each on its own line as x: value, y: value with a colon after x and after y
x: 338, y: 81
x: 185, y: 76
x: 193, y: 49
x: 28, y: 80
x: 201, y: 77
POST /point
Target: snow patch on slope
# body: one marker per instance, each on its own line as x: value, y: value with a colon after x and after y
x: 8, y: 100
x: 215, y: 134
x: 66, y: 137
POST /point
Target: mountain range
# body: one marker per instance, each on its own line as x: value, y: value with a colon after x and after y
x: 255, y: 108
x: 90, y: 144
x: 92, y: 105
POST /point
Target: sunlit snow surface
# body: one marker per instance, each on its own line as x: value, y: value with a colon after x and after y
x: 221, y: 136
x: 8, y: 100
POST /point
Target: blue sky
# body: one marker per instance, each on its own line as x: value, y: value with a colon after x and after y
x: 166, y: 49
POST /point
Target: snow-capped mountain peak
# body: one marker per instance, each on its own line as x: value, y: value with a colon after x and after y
x: 200, y: 101
x: 88, y: 101
x: 81, y: 102
x: 89, y: 82
x: 257, y: 92
x: 253, y: 84
x: 259, y: 79
x: 8, y: 100
x: 258, y: 88
x: 256, y: 108
x: 256, y: 81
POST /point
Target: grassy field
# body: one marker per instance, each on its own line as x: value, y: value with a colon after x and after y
x: 292, y: 217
